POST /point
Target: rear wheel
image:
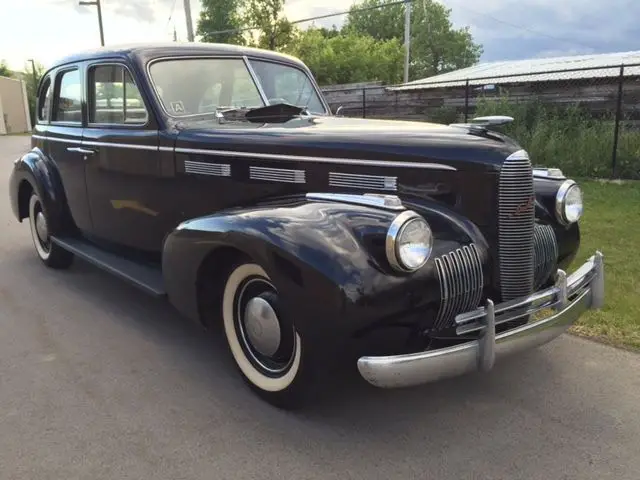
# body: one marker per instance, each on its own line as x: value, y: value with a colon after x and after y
x: 52, y: 255
x: 264, y: 343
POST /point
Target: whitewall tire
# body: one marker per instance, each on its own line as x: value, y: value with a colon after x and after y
x: 266, y: 348
x: 51, y: 254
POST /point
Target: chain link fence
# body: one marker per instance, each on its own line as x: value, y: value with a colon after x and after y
x: 585, y: 121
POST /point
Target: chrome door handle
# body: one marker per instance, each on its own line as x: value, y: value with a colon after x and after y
x: 84, y: 151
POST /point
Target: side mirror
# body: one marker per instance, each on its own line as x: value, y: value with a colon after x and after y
x: 339, y: 111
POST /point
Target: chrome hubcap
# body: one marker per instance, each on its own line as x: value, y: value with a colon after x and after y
x: 41, y: 227
x: 262, y: 326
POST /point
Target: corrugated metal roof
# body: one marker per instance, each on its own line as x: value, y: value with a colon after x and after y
x: 533, y: 70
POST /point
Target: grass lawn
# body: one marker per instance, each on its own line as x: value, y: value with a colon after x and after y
x: 611, y: 224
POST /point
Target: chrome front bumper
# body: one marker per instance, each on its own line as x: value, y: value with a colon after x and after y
x: 567, y: 299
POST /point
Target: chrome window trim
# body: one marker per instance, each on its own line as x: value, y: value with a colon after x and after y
x: 55, y: 98
x: 190, y: 57
x: 304, y: 158
x: 98, y: 63
x: 256, y: 80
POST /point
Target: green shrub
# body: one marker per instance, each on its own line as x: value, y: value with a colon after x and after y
x: 568, y: 137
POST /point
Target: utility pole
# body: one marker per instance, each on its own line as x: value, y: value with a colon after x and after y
x: 187, y: 14
x: 407, y: 38
x: 97, y: 4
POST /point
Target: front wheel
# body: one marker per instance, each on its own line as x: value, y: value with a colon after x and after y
x: 52, y: 255
x: 264, y: 343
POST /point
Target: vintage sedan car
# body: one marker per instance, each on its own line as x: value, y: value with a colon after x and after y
x: 217, y: 177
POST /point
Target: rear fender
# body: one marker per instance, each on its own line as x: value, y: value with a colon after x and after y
x: 37, y: 172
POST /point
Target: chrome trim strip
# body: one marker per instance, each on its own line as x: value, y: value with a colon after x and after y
x: 304, y: 158
x: 552, y: 173
x: 165, y: 149
x: 366, y: 182
x: 58, y: 139
x: 202, y: 168
x: 256, y: 80
x: 387, y: 202
x: 133, y: 146
x: 285, y: 175
x: 480, y: 355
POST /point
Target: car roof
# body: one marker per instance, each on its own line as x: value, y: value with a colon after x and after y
x: 148, y: 51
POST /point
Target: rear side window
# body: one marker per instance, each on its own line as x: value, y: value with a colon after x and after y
x: 114, y: 97
x: 44, y: 101
x: 69, y: 98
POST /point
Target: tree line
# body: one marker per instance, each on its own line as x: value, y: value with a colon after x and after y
x: 367, y: 47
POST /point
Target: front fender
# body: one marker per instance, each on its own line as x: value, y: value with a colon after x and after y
x: 326, y: 259
x: 39, y: 173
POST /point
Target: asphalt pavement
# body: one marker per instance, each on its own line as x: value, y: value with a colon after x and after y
x: 98, y: 381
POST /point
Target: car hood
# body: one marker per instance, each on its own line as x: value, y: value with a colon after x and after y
x: 342, y: 137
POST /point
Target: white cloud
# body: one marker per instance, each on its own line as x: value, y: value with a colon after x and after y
x: 508, y: 29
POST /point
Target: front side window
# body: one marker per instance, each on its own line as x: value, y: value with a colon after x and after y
x: 69, y: 98
x: 200, y: 86
x: 43, y: 100
x: 114, y: 97
x: 286, y: 84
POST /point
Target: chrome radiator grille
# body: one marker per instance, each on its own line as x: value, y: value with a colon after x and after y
x: 515, y: 226
x: 461, y: 281
x: 545, y: 253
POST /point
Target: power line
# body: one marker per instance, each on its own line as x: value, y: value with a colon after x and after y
x: 319, y: 17
x: 527, y: 29
x: 173, y: 7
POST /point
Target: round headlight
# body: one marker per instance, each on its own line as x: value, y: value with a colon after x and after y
x: 409, y: 242
x: 569, y: 203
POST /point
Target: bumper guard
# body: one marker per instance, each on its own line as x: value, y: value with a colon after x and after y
x: 568, y: 299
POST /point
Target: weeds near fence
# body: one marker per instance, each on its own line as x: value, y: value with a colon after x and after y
x: 568, y: 137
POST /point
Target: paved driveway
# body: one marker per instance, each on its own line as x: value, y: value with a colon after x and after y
x: 97, y: 381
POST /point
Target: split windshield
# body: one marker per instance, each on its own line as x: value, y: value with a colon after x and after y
x: 204, y: 85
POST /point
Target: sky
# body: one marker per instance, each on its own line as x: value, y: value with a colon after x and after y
x: 508, y: 29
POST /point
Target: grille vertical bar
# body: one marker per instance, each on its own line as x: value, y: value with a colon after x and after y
x: 546, y: 253
x: 461, y: 282
x: 516, y: 226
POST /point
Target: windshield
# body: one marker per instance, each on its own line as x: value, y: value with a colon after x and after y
x: 203, y: 85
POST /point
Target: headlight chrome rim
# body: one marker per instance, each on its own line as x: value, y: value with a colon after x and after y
x: 561, y: 200
x: 395, y: 232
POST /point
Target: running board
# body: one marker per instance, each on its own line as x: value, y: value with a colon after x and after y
x: 139, y: 275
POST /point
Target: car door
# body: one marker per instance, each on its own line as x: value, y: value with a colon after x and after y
x: 127, y: 175
x: 63, y: 142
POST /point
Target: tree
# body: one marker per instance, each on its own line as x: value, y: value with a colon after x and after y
x: 436, y: 47
x: 32, y: 74
x: 5, y: 71
x: 274, y: 31
x: 218, y: 16
x: 348, y: 58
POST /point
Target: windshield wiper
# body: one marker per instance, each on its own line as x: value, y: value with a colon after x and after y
x: 275, y: 113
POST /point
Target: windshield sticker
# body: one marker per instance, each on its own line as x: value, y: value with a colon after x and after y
x: 177, y: 107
